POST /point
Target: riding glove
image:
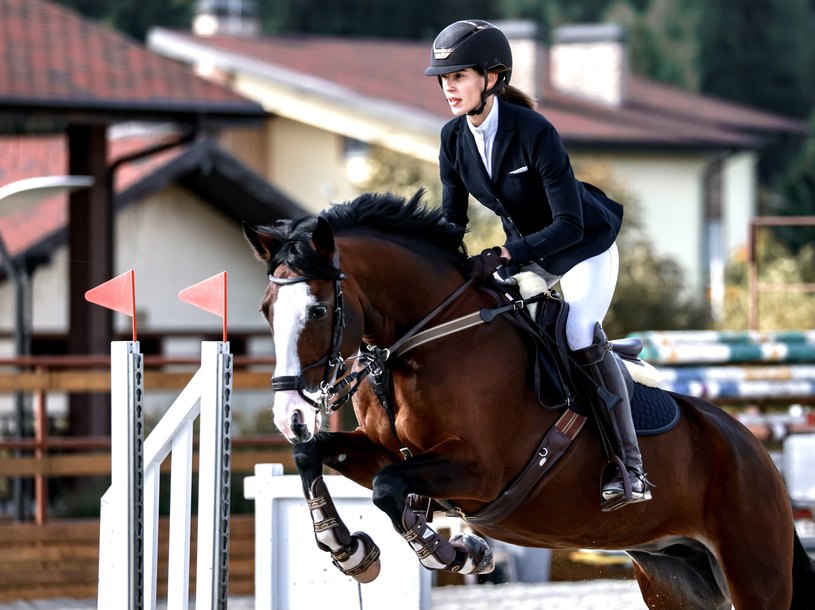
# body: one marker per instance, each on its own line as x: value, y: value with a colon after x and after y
x: 483, y: 265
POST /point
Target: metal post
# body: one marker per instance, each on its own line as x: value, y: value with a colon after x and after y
x: 214, y: 476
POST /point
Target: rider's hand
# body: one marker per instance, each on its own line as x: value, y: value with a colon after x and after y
x: 484, y: 265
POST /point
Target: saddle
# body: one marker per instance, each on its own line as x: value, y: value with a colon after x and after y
x: 554, y: 370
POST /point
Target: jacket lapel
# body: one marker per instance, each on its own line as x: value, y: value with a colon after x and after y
x: 469, y: 151
x: 503, y: 138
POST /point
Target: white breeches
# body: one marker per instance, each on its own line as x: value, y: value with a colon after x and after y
x: 588, y: 288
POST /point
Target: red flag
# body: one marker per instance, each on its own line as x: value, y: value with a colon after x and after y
x: 209, y: 295
x: 118, y: 294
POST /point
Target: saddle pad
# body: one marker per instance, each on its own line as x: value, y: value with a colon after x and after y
x: 654, y: 411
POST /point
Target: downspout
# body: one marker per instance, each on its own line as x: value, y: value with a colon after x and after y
x: 715, y: 257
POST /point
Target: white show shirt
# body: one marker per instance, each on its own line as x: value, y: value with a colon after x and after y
x: 484, y: 135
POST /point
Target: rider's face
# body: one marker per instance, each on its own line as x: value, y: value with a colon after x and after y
x: 463, y: 89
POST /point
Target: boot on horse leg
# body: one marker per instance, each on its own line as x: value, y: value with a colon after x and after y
x: 464, y: 553
x: 354, y: 555
x: 629, y: 484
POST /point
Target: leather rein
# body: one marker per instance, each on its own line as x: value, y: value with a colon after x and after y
x: 337, y: 388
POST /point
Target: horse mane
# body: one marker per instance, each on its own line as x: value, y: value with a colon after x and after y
x: 409, y: 222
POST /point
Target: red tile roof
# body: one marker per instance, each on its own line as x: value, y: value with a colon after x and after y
x: 652, y: 114
x: 52, y: 58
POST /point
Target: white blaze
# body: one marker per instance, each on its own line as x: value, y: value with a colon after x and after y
x: 289, y: 320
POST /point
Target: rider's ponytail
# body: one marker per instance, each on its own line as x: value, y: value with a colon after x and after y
x: 513, y: 95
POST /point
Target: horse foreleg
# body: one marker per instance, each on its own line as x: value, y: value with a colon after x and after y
x: 355, y: 555
x: 464, y: 553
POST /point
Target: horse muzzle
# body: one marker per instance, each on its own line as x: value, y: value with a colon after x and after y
x: 297, y: 421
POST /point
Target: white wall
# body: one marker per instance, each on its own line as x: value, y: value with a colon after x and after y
x: 668, y: 190
x: 172, y: 240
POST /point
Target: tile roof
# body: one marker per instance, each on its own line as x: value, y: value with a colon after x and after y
x: 52, y: 58
x: 197, y: 165
x: 653, y: 114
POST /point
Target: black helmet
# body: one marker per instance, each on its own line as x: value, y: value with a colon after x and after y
x: 469, y: 44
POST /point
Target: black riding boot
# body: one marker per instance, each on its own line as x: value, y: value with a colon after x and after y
x: 601, y: 365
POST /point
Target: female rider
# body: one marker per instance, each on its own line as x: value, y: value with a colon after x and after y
x: 510, y: 158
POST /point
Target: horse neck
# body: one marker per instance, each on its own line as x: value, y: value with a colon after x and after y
x: 395, y: 288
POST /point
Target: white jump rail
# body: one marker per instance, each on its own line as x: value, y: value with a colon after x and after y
x: 128, y: 542
x: 291, y: 573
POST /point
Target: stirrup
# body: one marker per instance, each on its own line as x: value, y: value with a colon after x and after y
x: 627, y: 495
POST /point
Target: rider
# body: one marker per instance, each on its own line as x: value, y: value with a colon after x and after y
x: 498, y: 149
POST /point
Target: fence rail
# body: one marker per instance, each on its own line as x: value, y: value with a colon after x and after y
x: 45, y: 455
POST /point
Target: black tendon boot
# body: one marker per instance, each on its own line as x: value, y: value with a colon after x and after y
x: 601, y: 365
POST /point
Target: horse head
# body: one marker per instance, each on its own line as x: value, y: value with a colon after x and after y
x: 314, y: 326
x: 303, y: 305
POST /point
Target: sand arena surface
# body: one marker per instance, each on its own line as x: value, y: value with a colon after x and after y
x: 589, y: 595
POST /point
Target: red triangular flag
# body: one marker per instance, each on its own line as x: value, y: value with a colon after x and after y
x: 209, y: 295
x: 118, y: 294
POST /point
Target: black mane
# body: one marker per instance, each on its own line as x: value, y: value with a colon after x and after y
x: 411, y: 223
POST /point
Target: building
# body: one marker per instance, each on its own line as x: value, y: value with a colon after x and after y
x: 688, y: 160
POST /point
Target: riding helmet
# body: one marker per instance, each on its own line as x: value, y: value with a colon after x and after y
x: 468, y: 44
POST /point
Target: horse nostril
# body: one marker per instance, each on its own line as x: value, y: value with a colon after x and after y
x: 298, y: 427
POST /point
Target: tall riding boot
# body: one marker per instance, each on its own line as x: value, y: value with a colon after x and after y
x: 601, y: 365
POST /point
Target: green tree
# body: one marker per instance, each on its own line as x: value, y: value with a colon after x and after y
x: 370, y: 18
x: 776, y: 265
x: 136, y: 17
x: 759, y: 53
x: 662, y: 41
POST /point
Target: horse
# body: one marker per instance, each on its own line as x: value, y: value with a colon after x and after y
x: 364, y: 302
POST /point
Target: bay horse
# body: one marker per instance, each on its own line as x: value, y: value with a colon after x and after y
x: 454, y: 419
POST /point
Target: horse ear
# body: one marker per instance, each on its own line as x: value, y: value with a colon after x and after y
x: 323, y: 238
x: 264, y: 245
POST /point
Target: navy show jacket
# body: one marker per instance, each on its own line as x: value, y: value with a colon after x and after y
x: 548, y: 215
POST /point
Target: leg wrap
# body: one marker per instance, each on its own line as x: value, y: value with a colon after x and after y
x: 435, y: 552
x: 354, y: 555
x: 465, y: 553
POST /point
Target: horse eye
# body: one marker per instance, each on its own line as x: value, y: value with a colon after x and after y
x: 315, y: 312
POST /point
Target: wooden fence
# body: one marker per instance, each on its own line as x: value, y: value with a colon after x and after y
x: 59, y: 558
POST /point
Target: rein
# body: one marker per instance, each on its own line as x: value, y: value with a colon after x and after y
x: 336, y: 390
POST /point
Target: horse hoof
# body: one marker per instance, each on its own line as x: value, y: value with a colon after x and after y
x: 364, y: 557
x: 479, y: 558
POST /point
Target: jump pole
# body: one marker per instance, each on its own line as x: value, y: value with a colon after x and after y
x: 129, y: 508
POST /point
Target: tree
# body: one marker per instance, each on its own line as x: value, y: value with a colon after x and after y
x: 370, y: 18
x: 759, y: 53
x: 136, y: 17
x: 662, y: 41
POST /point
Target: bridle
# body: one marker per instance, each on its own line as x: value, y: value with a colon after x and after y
x: 333, y: 361
x: 336, y: 388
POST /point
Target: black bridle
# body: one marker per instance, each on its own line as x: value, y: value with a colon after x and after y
x: 333, y: 361
x: 336, y: 388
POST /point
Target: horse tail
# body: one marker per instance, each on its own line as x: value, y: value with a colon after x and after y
x: 803, y: 578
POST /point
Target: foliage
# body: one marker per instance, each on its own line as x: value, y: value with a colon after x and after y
x: 136, y: 17
x: 777, y: 310
x: 662, y: 41
x: 766, y: 42
x: 794, y: 195
x: 370, y: 18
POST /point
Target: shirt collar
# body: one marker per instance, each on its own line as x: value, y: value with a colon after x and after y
x: 490, y: 125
